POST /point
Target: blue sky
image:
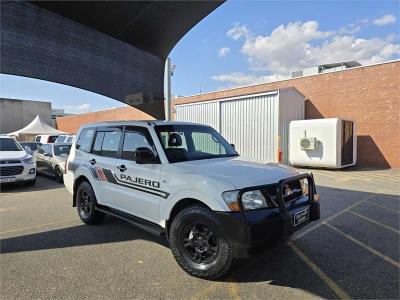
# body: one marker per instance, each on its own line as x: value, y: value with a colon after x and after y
x: 248, y: 42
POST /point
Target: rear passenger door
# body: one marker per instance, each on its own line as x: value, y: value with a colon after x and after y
x: 139, y: 189
x: 102, y: 159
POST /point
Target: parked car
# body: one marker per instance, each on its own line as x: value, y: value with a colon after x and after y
x: 16, y: 165
x: 65, y: 139
x: 45, y: 138
x: 185, y: 181
x: 51, y: 158
x: 30, y: 147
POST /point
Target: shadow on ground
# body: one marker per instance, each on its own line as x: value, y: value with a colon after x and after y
x: 355, y: 269
x: 42, y: 183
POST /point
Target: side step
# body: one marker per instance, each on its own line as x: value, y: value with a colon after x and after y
x: 136, y: 221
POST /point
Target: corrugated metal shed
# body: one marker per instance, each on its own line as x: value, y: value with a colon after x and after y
x: 257, y: 124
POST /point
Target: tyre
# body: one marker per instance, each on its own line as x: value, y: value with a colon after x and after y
x: 86, y: 203
x: 198, y: 245
x: 30, y: 182
x: 59, y: 174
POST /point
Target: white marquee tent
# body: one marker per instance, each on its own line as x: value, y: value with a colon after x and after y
x: 36, y: 127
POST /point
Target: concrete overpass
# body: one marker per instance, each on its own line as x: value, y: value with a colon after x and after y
x: 114, y: 48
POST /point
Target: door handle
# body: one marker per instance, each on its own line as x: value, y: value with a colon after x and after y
x: 122, y: 168
x: 92, y: 161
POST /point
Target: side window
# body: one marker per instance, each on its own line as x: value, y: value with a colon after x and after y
x: 133, y: 140
x: 85, y: 140
x: 46, y: 149
x: 97, y: 143
x: 40, y: 150
x: 111, y: 143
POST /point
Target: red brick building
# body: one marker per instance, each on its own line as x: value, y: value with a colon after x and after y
x: 72, y: 123
x: 370, y: 95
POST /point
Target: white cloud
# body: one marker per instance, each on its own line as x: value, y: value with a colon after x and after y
x: 79, y: 109
x: 238, y: 31
x: 385, y: 20
x: 302, y: 44
x: 224, y: 51
x: 239, y: 79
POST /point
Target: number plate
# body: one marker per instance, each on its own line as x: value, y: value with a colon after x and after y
x: 8, y: 179
x: 301, y: 216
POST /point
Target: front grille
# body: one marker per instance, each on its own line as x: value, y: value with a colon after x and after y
x: 11, y: 170
x: 295, y: 192
x: 6, y: 162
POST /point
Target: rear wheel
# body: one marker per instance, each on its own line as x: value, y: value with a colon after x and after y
x: 198, y: 245
x: 59, y: 174
x: 86, y: 204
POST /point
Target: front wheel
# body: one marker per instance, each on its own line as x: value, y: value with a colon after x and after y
x: 198, y: 245
x: 86, y: 204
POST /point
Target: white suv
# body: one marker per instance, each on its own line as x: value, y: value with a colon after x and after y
x: 16, y: 165
x: 185, y: 181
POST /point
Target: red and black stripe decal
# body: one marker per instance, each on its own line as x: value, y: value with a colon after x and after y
x: 108, y: 176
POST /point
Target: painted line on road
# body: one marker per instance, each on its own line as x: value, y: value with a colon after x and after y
x: 233, y: 289
x: 204, y: 292
x: 325, y: 278
x: 332, y: 217
x: 384, y: 207
x: 5, y: 209
x: 377, y: 253
x: 373, y: 221
x: 39, y: 226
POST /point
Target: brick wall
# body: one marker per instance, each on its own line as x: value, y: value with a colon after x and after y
x: 369, y: 95
x: 71, y: 124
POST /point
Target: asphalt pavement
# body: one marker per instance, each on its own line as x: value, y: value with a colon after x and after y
x: 352, y: 252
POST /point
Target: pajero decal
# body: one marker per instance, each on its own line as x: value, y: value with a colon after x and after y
x: 136, y: 183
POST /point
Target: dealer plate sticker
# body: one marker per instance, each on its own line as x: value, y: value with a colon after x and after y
x: 301, y: 216
x: 8, y: 179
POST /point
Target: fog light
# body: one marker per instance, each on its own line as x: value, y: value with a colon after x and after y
x: 32, y: 171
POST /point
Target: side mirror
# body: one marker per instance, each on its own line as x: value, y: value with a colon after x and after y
x: 28, y: 149
x: 233, y: 146
x: 144, y: 155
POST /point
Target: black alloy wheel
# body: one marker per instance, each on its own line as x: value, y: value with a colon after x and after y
x: 197, y: 243
x: 200, y: 243
x: 86, y: 204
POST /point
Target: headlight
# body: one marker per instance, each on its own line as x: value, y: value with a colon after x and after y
x: 230, y: 198
x: 304, y: 186
x: 253, y: 200
x: 250, y: 200
x: 29, y: 160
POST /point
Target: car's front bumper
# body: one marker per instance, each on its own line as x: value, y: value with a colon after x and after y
x: 246, y: 229
x: 28, y: 174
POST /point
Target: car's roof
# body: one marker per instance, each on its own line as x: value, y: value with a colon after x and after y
x: 58, y: 144
x: 144, y: 123
x: 28, y: 142
x: 6, y: 137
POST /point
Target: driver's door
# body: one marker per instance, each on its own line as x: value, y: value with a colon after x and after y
x: 140, y: 190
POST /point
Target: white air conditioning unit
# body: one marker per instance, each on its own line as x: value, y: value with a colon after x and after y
x: 308, y: 143
x: 328, y: 143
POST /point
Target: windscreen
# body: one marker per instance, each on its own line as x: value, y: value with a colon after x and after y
x: 61, y: 150
x: 9, y: 145
x: 193, y: 142
x: 33, y: 146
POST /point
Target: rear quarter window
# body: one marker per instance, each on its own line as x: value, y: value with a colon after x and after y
x: 84, y: 142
